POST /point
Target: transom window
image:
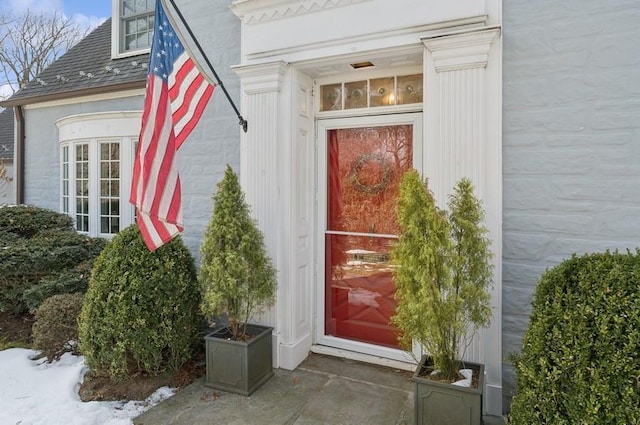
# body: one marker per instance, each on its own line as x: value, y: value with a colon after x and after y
x: 371, y: 93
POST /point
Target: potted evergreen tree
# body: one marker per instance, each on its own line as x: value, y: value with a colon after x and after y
x: 442, y: 276
x: 238, y: 281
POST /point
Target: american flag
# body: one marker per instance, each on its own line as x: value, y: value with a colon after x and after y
x: 176, y: 96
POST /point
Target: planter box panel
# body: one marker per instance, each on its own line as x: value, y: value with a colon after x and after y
x: 438, y: 403
x: 236, y: 366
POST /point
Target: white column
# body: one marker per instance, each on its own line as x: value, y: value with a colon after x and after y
x: 262, y: 107
x: 462, y: 74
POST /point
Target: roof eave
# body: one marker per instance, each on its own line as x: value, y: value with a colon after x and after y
x: 73, y: 93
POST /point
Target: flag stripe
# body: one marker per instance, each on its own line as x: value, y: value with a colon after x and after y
x: 176, y: 96
x: 188, y: 99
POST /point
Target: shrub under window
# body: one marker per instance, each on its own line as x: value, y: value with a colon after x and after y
x: 140, y: 313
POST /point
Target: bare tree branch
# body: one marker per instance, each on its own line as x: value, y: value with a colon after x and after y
x: 30, y: 42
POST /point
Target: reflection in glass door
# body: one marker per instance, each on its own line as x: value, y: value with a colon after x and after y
x: 364, y: 167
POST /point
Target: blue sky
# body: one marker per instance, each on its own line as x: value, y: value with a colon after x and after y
x: 88, y: 12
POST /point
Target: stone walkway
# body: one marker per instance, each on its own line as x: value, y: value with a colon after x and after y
x: 323, y: 390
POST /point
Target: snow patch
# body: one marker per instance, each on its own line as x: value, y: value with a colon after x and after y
x: 33, y: 392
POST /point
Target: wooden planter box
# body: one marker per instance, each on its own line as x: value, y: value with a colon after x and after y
x: 438, y: 403
x: 237, y: 366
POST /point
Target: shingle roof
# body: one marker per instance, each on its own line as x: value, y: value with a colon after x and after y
x: 6, y: 134
x: 87, y: 65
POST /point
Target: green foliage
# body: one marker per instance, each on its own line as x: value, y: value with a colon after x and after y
x: 66, y: 282
x: 40, y: 256
x: 580, y: 360
x: 26, y: 221
x: 55, y: 330
x: 140, y: 313
x: 443, y: 271
x: 236, y: 275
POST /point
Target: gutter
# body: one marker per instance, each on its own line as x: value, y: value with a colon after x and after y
x: 18, y: 105
x: 19, y: 154
x: 27, y: 100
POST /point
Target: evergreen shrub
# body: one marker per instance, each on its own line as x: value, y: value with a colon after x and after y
x: 580, y: 360
x: 443, y: 272
x: 66, y: 282
x: 55, y: 330
x: 26, y: 221
x: 140, y: 313
x: 236, y: 275
x: 39, y: 247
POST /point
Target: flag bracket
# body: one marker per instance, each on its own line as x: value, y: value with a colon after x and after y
x: 242, y: 122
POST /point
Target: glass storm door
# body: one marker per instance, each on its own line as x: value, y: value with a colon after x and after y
x: 365, y: 159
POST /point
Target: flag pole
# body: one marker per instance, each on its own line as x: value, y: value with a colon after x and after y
x: 242, y: 121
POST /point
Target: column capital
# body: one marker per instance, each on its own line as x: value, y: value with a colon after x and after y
x: 461, y: 50
x: 261, y: 78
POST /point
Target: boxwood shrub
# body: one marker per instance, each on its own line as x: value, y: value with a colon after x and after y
x: 580, y: 360
x: 41, y: 255
x: 140, y: 313
x: 55, y: 330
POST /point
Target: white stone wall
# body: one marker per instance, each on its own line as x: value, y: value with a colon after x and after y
x: 571, y: 142
x: 7, y: 188
x: 201, y: 160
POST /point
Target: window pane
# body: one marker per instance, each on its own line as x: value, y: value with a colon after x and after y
x: 141, y: 25
x: 141, y: 5
x: 115, y: 207
x: 104, y: 170
x: 115, y: 170
x: 382, y: 93
x: 104, y: 208
x: 130, y: 42
x: 115, y: 225
x: 104, y: 225
x: 410, y: 89
x: 356, y: 95
x: 115, y: 151
x: 104, y: 188
x: 141, y: 39
x: 128, y: 7
x: 85, y: 223
x: 365, y: 167
x: 331, y: 97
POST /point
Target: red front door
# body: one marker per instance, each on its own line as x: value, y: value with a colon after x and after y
x: 364, y: 167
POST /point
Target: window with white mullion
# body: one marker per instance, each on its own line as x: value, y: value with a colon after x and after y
x: 136, y: 24
x: 64, y: 189
x: 127, y: 155
x: 96, y: 167
x: 82, y: 187
x: 109, y: 188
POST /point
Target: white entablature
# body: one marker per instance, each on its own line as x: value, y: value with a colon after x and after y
x: 255, y: 12
x: 301, y: 30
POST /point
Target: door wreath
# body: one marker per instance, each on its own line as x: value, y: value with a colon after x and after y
x: 361, y: 161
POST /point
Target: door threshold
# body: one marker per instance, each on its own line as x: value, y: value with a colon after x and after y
x: 409, y: 365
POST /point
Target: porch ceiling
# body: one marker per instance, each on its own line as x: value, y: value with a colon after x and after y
x: 382, y: 61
